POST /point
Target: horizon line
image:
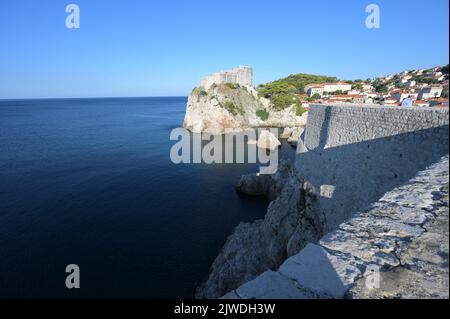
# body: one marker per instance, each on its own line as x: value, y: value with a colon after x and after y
x: 94, y: 97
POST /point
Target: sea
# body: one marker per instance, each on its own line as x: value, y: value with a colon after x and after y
x: 90, y: 182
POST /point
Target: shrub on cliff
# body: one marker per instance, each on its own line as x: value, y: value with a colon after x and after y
x: 282, y: 101
x: 232, y: 86
x: 199, y: 92
x: 232, y: 108
x: 262, y: 114
x: 299, y: 110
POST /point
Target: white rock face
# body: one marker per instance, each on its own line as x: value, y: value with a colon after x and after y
x: 272, y: 285
x: 319, y: 271
x: 225, y: 108
x: 287, y: 132
x: 295, y: 135
x: 268, y: 141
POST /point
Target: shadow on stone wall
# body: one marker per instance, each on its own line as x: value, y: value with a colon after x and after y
x: 348, y: 178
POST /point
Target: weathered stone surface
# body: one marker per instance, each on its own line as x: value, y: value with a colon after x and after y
x: 231, y: 295
x: 370, y: 251
x: 403, y: 283
x: 424, y: 272
x: 326, y: 275
x: 406, y: 215
x: 424, y: 269
x: 287, y: 132
x: 268, y: 141
x: 272, y: 285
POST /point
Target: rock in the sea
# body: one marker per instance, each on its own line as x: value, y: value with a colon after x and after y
x: 287, y: 132
x: 268, y: 141
x: 265, y: 185
x: 295, y: 136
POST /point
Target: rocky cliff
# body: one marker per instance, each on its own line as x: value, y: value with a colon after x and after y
x: 229, y: 107
x: 292, y: 220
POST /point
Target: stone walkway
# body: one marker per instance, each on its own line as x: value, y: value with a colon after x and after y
x: 397, y: 248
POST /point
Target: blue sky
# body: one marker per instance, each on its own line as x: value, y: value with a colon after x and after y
x: 161, y: 48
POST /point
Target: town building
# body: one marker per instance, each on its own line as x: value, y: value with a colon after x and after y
x: 390, y: 101
x: 410, y: 83
x: 421, y: 103
x: 324, y: 88
x: 439, y: 102
x: 401, y: 95
x: 353, y: 98
x: 430, y: 92
x: 314, y: 89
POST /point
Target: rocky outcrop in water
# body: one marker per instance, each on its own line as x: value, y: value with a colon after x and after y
x: 290, y: 223
x: 228, y: 107
x: 267, y: 140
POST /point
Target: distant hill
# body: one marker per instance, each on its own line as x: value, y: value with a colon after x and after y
x: 282, y: 93
x: 293, y: 84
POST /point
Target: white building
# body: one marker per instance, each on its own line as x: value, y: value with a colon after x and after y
x: 323, y: 88
x: 314, y: 89
x: 430, y: 92
x: 406, y: 78
x: 368, y: 88
x: 401, y: 95
x: 390, y: 101
x: 411, y: 83
x: 243, y: 75
x: 339, y: 86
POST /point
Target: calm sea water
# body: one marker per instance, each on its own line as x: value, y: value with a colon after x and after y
x: 90, y: 182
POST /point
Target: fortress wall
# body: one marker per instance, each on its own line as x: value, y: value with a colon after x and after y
x: 349, y: 156
x: 241, y: 75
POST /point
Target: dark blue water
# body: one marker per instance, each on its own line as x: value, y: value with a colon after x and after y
x: 90, y: 182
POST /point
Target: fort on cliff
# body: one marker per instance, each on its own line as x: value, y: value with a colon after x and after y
x: 242, y: 75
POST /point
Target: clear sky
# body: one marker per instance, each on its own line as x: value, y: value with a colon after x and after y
x: 161, y: 48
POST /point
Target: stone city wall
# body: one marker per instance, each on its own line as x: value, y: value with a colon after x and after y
x: 349, y: 156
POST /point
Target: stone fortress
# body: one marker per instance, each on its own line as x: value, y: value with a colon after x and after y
x: 242, y: 75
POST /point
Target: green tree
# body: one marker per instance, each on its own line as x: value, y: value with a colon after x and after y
x: 262, y: 114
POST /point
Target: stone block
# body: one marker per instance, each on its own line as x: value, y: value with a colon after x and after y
x: 315, y: 269
x: 272, y: 285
